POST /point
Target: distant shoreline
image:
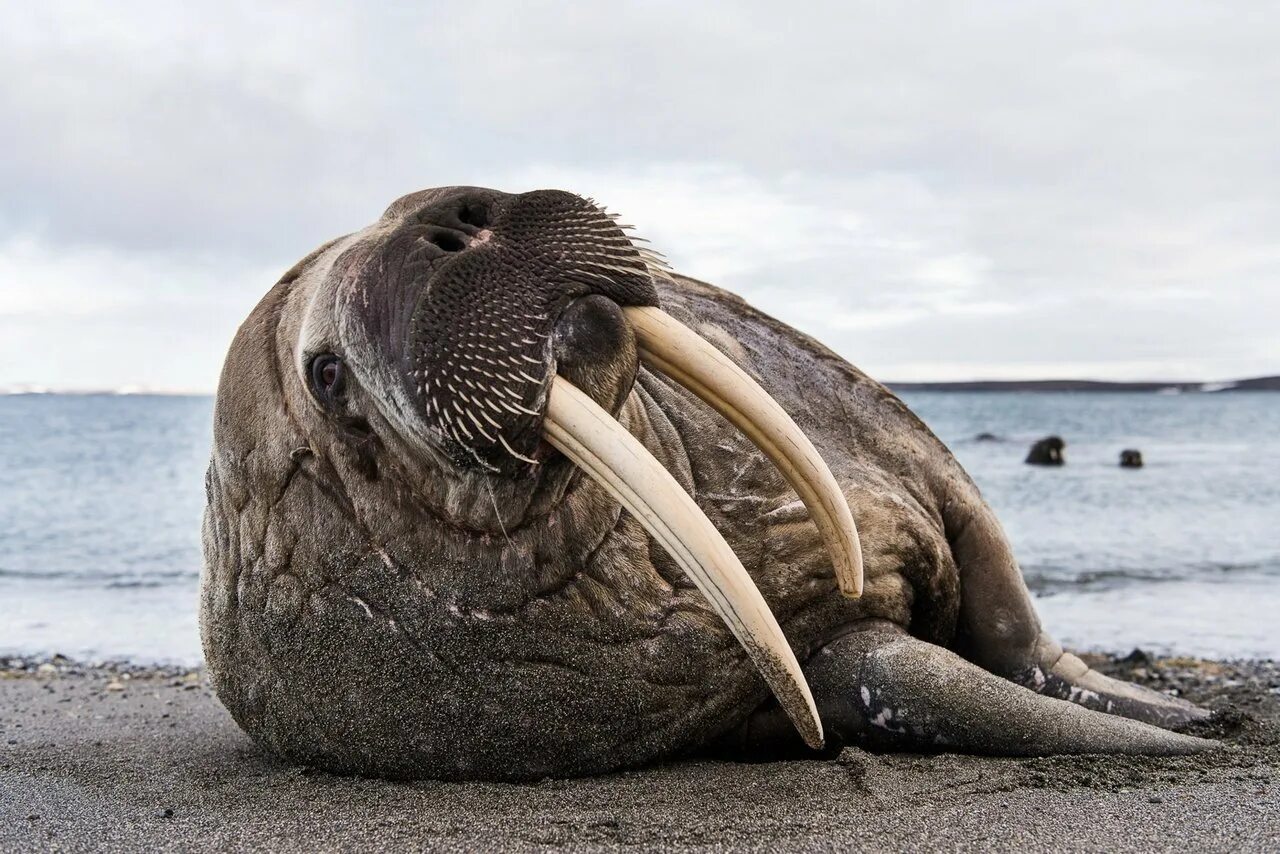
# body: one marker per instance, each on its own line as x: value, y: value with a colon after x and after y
x: 1176, y: 387
x: 1271, y: 383
x: 29, y: 391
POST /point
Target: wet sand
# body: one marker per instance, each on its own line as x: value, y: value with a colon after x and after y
x: 136, y: 759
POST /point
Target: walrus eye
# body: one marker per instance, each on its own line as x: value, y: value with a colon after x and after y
x: 327, y: 377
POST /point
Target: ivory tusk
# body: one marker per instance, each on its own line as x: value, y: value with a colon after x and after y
x: 667, y: 345
x: 615, y: 459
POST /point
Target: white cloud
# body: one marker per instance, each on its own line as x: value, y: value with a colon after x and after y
x: 93, y: 318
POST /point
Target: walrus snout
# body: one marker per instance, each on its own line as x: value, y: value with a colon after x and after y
x: 491, y: 280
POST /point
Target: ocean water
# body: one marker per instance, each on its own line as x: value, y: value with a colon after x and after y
x: 101, y: 496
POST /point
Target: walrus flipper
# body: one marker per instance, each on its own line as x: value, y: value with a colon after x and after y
x: 880, y: 688
x: 1002, y: 633
x: 1066, y: 677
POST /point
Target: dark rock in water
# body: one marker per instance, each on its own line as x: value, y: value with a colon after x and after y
x: 1138, y: 656
x: 1047, y: 452
x: 1131, y: 458
x: 986, y: 437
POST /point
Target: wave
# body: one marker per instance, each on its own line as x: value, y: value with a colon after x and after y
x: 1046, y: 580
x: 104, y: 579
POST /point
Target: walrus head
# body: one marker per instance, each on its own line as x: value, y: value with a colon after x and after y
x: 440, y: 381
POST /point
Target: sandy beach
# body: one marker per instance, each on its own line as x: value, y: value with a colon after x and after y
x: 145, y: 759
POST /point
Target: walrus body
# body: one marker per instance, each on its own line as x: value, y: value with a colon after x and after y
x: 371, y: 607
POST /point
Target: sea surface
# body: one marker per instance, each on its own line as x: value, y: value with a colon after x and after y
x: 101, y: 496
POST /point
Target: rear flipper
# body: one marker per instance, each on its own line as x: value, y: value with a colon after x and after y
x: 1066, y: 677
x: 1002, y: 633
x: 881, y: 688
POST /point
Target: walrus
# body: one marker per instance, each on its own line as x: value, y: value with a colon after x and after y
x: 1049, y: 451
x: 494, y: 494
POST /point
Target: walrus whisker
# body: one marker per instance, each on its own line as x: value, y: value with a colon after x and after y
x: 493, y: 499
x: 480, y: 427
x: 513, y: 452
x: 677, y: 351
x: 590, y: 437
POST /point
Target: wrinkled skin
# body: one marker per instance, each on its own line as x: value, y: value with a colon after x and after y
x: 375, y: 602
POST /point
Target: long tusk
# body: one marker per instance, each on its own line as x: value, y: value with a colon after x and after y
x: 603, y: 448
x: 667, y: 345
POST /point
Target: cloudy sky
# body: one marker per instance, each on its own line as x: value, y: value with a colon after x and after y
x: 938, y: 191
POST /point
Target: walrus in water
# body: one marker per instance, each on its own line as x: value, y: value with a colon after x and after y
x: 494, y: 495
x: 1048, y: 451
x: 1131, y: 458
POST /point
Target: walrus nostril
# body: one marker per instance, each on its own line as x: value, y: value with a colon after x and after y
x: 448, y: 241
x: 473, y: 214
